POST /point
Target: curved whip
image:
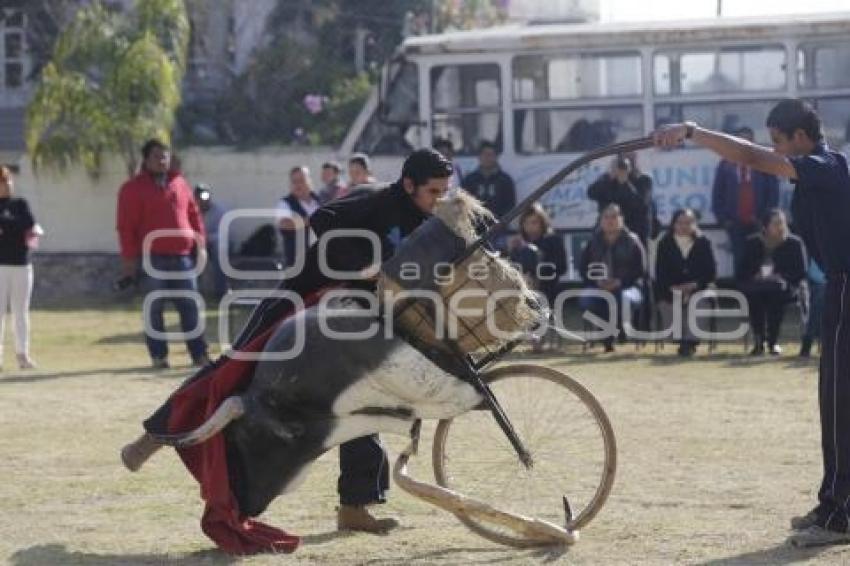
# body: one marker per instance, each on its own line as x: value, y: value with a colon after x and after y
x: 608, y: 150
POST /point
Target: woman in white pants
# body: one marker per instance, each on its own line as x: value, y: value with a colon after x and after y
x: 18, y: 233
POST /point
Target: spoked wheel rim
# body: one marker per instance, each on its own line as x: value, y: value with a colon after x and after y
x: 567, y: 433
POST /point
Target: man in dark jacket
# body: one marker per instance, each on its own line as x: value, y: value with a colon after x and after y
x: 629, y: 191
x: 391, y: 212
x: 489, y: 183
x: 741, y: 197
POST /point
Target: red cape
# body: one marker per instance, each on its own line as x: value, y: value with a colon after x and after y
x: 188, y: 408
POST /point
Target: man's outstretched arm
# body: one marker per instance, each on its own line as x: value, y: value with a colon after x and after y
x: 729, y: 147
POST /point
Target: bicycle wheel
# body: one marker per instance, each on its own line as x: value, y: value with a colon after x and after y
x: 559, y: 422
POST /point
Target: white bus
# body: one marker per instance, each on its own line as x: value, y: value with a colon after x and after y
x: 545, y: 93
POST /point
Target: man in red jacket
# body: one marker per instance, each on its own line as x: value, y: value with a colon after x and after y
x: 159, y: 198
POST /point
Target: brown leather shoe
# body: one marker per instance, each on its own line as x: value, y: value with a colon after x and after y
x: 358, y: 518
x: 137, y: 452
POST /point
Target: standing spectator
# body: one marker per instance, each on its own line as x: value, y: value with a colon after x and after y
x: 447, y: 149
x: 332, y: 186
x: 613, y: 261
x: 817, y: 288
x: 772, y: 266
x: 212, y: 211
x: 18, y: 234
x: 160, y: 199
x: 294, y: 212
x: 630, y: 191
x: 643, y: 184
x: 741, y: 197
x: 684, y: 263
x: 489, y: 183
x: 359, y: 171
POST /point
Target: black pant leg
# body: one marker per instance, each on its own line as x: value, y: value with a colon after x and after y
x: 775, y: 304
x: 364, y: 475
x: 834, y: 398
x: 757, y: 308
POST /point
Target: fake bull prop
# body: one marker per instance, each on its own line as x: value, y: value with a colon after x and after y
x: 286, y: 413
x: 350, y: 376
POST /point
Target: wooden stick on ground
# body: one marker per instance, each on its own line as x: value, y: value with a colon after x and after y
x: 533, y: 529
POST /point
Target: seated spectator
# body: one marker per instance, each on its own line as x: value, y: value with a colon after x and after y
x: 684, y: 263
x: 772, y: 266
x: 613, y: 261
x: 539, y: 252
x: 620, y: 186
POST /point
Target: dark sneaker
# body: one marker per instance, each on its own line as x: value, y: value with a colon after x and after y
x: 806, y: 347
x: 201, y: 361
x: 803, y: 522
x: 160, y: 363
x: 816, y: 535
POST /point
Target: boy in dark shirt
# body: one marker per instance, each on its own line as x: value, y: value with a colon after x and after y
x: 821, y: 210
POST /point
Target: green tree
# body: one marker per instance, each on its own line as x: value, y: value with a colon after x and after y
x: 311, y: 51
x: 113, y: 81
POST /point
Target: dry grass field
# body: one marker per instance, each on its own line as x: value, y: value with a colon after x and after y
x: 715, y: 455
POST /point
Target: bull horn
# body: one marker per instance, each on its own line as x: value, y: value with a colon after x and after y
x: 230, y: 409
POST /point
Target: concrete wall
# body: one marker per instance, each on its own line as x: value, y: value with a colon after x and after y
x: 77, y: 256
x: 78, y: 213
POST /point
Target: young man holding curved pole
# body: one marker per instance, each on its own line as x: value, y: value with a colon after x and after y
x: 821, y: 211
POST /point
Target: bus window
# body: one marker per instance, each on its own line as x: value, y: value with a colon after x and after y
x: 824, y: 66
x: 466, y: 101
x: 733, y: 69
x: 559, y: 77
x: 722, y: 116
x: 466, y: 131
x: 562, y: 130
x: 392, y: 129
x: 835, y: 117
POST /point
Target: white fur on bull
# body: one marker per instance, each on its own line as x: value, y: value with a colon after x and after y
x: 335, y: 390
